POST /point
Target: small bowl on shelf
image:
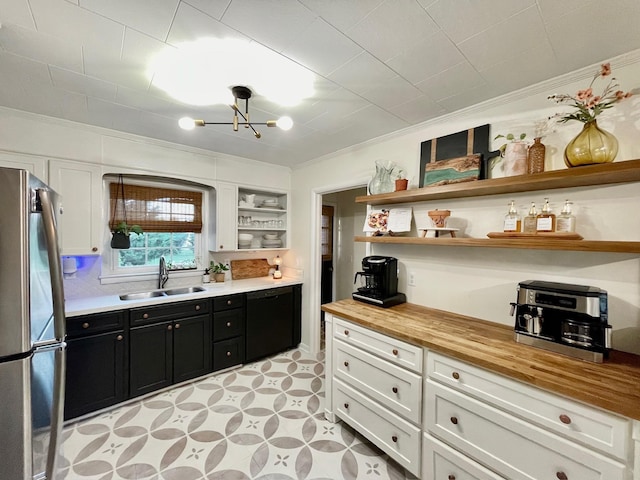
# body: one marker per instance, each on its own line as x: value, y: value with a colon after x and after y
x: 270, y: 236
x: 245, y: 238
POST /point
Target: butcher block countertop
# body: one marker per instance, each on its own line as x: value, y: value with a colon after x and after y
x: 613, y: 385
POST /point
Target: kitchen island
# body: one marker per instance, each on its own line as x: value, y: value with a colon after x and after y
x: 442, y: 392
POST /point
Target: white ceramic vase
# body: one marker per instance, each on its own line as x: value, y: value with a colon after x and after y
x: 515, y: 159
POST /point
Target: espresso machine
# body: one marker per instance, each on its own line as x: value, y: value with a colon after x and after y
x: 378, y: 282
x: 563, y: 318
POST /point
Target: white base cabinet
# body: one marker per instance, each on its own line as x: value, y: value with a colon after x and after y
x: 441, y: 418
x: 374, y: 383
x: 441, y: 462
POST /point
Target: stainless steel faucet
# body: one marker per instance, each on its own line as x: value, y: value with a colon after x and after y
x: 163, y: 274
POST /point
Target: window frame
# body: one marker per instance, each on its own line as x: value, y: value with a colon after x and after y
x: 112, y: 272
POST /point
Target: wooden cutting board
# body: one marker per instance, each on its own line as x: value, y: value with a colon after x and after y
x: 257, y: 267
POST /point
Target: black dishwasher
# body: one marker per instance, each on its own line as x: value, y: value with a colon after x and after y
x: 271, y: 322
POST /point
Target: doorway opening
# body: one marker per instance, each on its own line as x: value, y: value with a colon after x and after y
x: 341, y: 219
x: 326, y: 275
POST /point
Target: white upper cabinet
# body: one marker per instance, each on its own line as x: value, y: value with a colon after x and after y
x: 35, y: 165
x: 248, y: 219
x: 81, y: 225
x: 222, y: 236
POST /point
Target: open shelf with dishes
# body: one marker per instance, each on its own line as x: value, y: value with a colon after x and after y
x: 605, y: 174
x: 262, y: 219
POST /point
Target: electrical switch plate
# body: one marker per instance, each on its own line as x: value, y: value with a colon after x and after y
x: 412, y: 279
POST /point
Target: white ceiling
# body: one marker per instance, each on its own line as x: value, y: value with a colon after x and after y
x: 380, y: 65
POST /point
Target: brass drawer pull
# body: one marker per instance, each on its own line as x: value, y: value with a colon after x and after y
x: 228, y: 354
x: 454, y: 420
x: 197, y: 307
x: 394, y: 389
x: 228, y: 324
x: 346, y: 364
x: 119, y: 337
x: 561, y: 476
x: 145, y: 315
x: 169, y: 327
x: 177, y: 325
x: 394, y: 439
x: 229, y: 302
x: 395, y: 352
x: 85, y: 325
x: 451, y: 477
x: 346, y: 332
x: 346, y: 405
x: 566, y: 419
x: 456, y: 375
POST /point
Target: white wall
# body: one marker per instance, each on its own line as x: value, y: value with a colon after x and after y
x: 480, y: 282
x: 27, y: 137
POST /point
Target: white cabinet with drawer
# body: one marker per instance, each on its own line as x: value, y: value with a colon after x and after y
x: 374, y: 384
x: 519, y: 431
x: 441, y: 462
x: 589, y: 426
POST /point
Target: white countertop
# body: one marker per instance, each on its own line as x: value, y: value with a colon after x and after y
x: 107, y: 303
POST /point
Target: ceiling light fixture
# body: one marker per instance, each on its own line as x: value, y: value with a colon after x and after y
x: 242, y: 93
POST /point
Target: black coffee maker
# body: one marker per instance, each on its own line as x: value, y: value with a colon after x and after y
x: 379, y: 282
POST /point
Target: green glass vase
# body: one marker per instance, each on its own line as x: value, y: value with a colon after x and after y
x: 592, y: 145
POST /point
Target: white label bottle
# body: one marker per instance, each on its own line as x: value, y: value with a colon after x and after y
x: 546, y: 221
x: 512, y: 221
x: 566, y: 222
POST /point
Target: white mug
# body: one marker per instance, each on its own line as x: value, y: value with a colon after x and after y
x: 249, y: 198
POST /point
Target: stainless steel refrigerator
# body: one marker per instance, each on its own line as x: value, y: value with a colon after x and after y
x: 32, y: 328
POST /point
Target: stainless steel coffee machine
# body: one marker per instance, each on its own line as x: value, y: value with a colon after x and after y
x: 378, y: 282
x: 564, y: 318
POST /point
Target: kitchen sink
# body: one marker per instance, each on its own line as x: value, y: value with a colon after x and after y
x: 182, y: 291
x: 142, y: 295
x: 161, y: 293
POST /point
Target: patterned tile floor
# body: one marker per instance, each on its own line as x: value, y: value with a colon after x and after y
x: 262, y: 421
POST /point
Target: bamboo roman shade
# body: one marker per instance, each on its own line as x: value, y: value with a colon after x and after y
x: 156, y: 209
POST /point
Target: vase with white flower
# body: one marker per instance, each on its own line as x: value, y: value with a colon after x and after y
x: 593, y: 144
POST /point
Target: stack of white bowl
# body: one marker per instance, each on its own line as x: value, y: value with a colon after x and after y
x: 271, y: 240
x: 270, y: 203
x: 244, y: 240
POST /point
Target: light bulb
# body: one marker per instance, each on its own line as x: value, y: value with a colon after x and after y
x: 285, y: 123
x: 187, y: 123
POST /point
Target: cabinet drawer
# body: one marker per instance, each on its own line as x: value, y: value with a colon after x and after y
x: 228, y: 324
x: 397, y: 437
x: 168, y: 311
x: 227, y: 302
x: 228, y: 353
x: 440, y: 461
x: 95, y: 323
x: 590, y: 426
x: 508, y: 445
x: 396, y: 351
x: 392, y: 386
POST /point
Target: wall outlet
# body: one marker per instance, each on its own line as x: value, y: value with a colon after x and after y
x: 411, y: 281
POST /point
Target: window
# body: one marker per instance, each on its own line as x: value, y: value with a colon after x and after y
x: 171, y: 219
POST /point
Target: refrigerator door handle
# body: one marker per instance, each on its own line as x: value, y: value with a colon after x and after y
x: 55, y: 264
x: 57, y: 411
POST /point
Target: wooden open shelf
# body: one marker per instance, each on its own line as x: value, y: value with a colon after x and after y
x: 617, y: 172
x: 543, y: 243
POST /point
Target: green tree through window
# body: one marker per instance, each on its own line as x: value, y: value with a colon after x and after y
x: 146, y: 249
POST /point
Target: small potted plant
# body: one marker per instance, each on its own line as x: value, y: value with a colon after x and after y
x: 218, y: 270
x: 120, y: 235
x: 514, y: 154
x: 401, y: 180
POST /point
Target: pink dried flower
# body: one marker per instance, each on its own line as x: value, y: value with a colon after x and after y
x: 589, y: 106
